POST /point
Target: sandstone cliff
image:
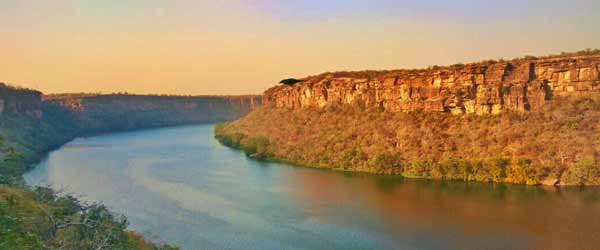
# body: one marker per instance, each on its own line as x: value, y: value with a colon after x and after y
x: 546, y: 127
x: 482, y: 88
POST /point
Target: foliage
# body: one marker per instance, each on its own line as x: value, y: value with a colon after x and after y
x: 583, y: 171
x: 41, y: 219
x: 378, y: 73
x: 25, y: 137
x: 561, y: 141
x: 256, y: 146
x: 289, y: 81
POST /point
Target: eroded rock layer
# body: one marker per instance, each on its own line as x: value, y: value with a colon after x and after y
x: 480, y: 88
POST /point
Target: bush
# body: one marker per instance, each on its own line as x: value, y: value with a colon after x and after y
x: 42, y: 219
x: 497, y: 169
x: 257, y: 147
x: 289, y: 81
x: 352, y: 157
x: 521, y: 171
x: 584, y: 171
x: 387, y: 160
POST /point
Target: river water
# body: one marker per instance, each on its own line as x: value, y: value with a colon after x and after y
x: 181, y: 186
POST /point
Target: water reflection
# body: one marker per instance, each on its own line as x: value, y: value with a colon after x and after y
x: 463, y: 215
x: 181, y: 185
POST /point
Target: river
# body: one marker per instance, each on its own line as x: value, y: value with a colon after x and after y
x: 181, y: 186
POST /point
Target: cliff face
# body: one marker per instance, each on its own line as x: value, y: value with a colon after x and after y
x: 123, y: 111
x: 20, y: 101
x: 314, y: 121
x: 34, y: 124
x: 226, y: 106
x: 481, y: 88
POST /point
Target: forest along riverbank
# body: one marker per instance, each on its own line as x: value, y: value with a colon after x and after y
x: 31, y: 125
x: 530, y: 120
x: 181, y: 184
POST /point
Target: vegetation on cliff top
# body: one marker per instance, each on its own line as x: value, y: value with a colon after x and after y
x: 375, y: 73
x: 289, y: 81
x: 560, y: 143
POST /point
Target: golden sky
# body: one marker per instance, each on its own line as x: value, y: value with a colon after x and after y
x: 246, y: 46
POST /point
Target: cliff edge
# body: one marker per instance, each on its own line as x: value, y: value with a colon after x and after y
x: 489, y: 87
x: 528, y: 120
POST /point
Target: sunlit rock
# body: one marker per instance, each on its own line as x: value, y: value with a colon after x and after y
x: 485, y: 88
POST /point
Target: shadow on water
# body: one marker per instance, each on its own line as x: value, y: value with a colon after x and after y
x: 493, y: 191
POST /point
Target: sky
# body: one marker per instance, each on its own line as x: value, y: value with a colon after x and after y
x: 246, y: 46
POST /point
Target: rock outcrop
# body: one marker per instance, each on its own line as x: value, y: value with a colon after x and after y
x: 481, y: 88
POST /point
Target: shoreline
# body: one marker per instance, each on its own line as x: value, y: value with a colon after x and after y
x: 225, y: 140
x: 399, y: 175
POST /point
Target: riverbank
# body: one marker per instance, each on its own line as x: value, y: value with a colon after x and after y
x: 41, y: 218
x: 31, y: 126
x: 556, y: 146
x: 183, y: 185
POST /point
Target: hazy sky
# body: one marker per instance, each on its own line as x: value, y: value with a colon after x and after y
x: 246, y: 46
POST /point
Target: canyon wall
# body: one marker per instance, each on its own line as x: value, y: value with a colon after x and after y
x: 482, y: 88
x: 34, y: 124
x: 124, y: 111
x: 226, y: 107
x: 363, y: 121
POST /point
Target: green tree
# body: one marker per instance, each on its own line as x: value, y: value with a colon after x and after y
x: 582, y: 172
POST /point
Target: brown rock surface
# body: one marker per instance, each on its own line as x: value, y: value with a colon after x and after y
x: 482, y: 88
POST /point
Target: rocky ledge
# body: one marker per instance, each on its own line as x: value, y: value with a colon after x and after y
x: 489, y: 87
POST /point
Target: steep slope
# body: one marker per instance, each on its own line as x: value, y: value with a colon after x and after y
x: 32, y: 124
x: 41, y: 219
x: 116, y: 112
x: 489, y: 87
x: 529, y: 120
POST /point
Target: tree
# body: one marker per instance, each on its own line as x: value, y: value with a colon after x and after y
x: 582, y: 172
x: 289, y: 81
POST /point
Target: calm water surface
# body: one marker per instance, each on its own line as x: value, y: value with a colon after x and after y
x: 182, y: 186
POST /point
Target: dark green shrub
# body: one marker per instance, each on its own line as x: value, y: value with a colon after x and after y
x: 387, y: 160
x: 351, y: 157
x: 289, y: 81
x: 257, y: 147
x: 582, y: 172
